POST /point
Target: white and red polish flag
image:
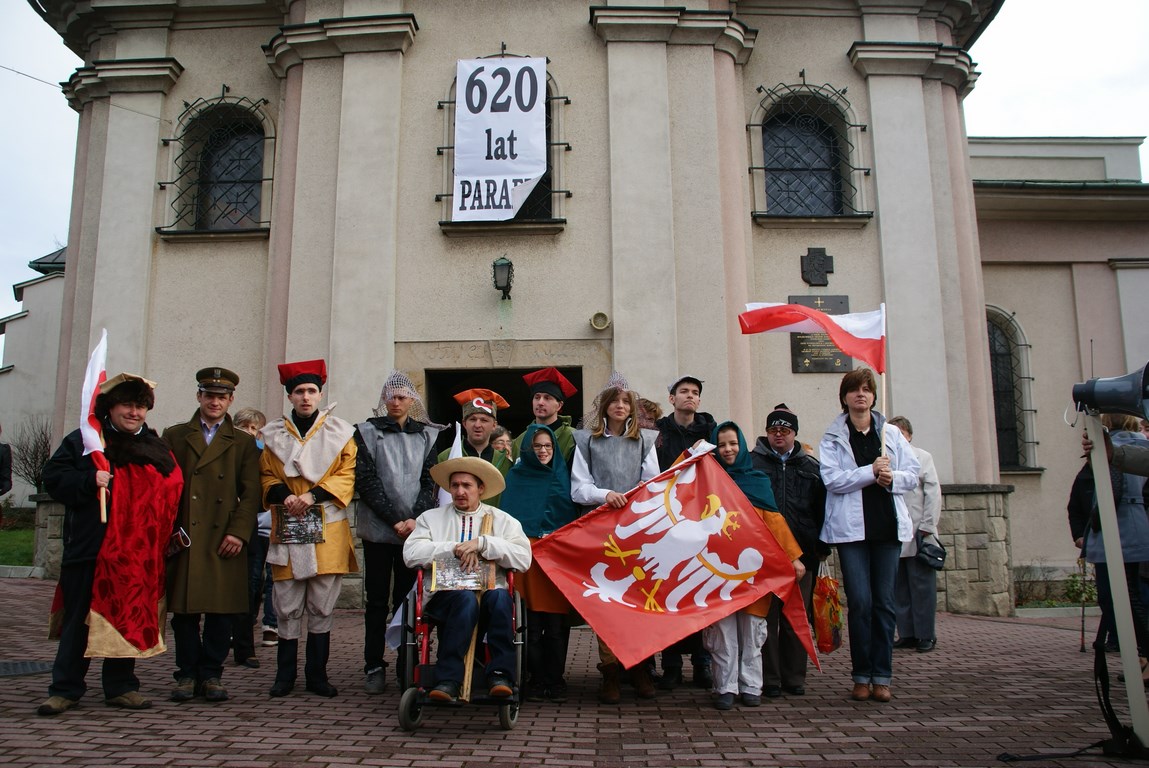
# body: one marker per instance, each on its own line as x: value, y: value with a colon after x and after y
x: 858, y: 334
x: 91, y: 430
x: 687, y: 550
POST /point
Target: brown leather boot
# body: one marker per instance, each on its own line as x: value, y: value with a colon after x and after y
x: 611, y: 691
x: 640, y: 678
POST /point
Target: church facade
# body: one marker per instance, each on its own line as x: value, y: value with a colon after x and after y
x: 263, y: 180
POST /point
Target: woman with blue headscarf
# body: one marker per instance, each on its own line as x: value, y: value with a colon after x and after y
x: 538, y: 495
x: 735, y: 642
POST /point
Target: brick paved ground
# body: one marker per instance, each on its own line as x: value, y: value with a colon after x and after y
x: 992, y: 686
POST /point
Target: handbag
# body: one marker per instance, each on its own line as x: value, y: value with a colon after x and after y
x: 827, y: 611
x: 930, y: 551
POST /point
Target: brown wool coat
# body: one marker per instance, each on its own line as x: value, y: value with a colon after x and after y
x: 221, y: 496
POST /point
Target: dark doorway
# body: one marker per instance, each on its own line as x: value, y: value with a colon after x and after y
x: 508, y: 382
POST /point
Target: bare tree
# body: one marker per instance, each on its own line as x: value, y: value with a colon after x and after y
x: 31, y: 450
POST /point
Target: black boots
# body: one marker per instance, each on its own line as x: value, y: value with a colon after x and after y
x: 285, y: 657
x: 315, y: 667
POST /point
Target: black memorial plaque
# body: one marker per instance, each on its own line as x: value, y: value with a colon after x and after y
x: 814, y: 352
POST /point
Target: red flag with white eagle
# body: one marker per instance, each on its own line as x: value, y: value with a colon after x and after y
x: 687, y: 550
x: 858, y: 334
x: 91, y: 430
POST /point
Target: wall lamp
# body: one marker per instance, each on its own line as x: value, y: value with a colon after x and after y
x: 503, y: 275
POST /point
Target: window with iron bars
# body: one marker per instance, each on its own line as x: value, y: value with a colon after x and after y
x: 541, y: 212
x: 804, y: 159
x: 1009, y: 373
x: 219, y: 161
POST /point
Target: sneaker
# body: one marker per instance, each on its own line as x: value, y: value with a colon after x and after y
x: 270, y: 636
x: 213, y: 690
x: 375, y: 682
x: 129, y: 700
x: 184, y: 690
x: 751, y: 700
x: 724, y: 701
x: 55, y: 705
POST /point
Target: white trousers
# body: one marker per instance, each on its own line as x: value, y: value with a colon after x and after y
x: 317, y: 596
x: 735, y: 645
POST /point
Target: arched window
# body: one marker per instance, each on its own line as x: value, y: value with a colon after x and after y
x: 802, y: 164
x: 542, y: 212
x: 230, y: 175
x: 1012, y: 397
x: 222, y: 163
x: 805, y: 164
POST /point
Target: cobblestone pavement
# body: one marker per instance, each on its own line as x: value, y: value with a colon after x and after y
x: 992, y: 686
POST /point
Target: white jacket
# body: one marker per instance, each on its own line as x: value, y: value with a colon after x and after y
x: 845, y: 480
x: 437, y: 531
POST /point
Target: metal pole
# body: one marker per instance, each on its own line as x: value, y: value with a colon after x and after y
x: 1122, y: 614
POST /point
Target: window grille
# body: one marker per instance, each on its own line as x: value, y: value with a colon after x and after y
x: 806, y: 162
x: 220, y: 156
x: 1009, y: 373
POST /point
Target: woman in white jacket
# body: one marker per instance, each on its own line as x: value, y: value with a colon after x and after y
x: 867, y: 520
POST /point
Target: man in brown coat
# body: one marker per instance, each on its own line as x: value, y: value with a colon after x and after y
x: 218, y: 509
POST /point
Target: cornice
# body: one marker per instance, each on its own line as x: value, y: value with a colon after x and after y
x: 674, y: 26
x: 106, y: 77
x: 930, y: 61
x: 331, y: 38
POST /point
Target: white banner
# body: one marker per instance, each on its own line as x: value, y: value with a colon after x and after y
x: 500, y: 136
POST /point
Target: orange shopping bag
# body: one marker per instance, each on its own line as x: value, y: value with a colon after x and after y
x: 827, y: 611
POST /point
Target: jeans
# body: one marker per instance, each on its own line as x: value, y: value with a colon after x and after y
x: 868, y: 573
x: 457, y: 614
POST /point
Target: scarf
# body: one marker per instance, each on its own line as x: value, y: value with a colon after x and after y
x: 539, y: 495
x: 753, y: 482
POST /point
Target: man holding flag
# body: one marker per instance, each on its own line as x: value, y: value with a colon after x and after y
x: 110, y: 597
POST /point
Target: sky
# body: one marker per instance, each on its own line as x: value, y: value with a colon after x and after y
x: 1048, y: 68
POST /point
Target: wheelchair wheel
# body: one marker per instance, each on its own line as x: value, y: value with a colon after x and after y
x: 411, y: 710
x: 508, y: 716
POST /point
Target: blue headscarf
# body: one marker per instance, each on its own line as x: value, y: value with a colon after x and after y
x: 753, y: 482
x: 539, y: 495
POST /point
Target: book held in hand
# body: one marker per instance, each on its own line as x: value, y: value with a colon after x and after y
x: 289, y: 529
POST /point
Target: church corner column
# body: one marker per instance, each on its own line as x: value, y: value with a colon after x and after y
x: 642, y: 223
x: 114, y: 205
x: 364, y: 281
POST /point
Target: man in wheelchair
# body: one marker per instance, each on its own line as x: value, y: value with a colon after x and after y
x: 477, y: 536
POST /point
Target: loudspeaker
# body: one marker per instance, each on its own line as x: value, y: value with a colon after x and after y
x: 1116, y: 394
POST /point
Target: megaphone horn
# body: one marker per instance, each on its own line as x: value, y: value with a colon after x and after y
x: 1116, y: 394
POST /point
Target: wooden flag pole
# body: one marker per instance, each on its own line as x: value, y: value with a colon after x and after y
x: 103, y: 505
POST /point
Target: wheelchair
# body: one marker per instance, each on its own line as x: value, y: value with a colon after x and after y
x: 417, y: 670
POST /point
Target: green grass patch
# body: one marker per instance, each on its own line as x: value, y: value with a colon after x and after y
x: 17, y: 546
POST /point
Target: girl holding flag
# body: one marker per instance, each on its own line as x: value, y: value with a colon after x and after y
x: 735, y: 642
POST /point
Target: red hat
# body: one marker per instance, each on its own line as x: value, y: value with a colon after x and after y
x: 481, y: 401
x: 550, y: 381
x: 291, y: 375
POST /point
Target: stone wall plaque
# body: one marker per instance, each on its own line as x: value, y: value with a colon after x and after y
x: 814, y: 352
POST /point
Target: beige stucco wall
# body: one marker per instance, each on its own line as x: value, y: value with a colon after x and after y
x: 31, y: 347
x: 1043, y: 290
